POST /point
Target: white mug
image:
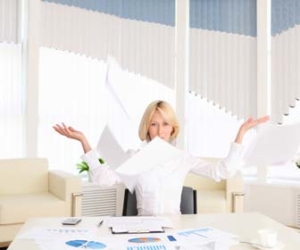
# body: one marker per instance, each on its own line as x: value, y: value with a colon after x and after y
x: 267, y: 237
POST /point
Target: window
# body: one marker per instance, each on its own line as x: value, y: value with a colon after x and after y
x: 73, y: 90
x: 12, y: 101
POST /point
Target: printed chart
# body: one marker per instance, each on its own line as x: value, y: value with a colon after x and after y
x: 145, y: 243
x: 147, y: 247
x: 85, y: 244
x: 144, y: 240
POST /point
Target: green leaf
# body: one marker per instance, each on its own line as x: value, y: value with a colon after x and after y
x: 82, y: 170
x: 83, y: 166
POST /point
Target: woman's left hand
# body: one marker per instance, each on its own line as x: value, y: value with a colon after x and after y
x: 247, y: 125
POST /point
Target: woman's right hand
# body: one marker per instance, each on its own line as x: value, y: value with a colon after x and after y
x: 72, y: 133
x: 69, y: 132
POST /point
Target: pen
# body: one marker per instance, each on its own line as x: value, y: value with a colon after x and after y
x: 100, y: 223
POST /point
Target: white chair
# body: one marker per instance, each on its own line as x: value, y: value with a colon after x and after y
x: 29, y: 189
x: 215, y: 197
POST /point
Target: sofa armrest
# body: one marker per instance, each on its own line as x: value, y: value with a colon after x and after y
x: 67, y: 187
x: 235, y: 193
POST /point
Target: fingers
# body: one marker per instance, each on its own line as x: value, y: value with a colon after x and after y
x: 72, y: 129
x: 61, y: 129
x: 249, y: 124
x: 254, y: 122
x: 262, y: 120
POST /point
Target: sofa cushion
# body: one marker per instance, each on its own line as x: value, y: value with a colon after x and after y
x: 17, y: 208
x: 31, y: 175
x: 211, y: 201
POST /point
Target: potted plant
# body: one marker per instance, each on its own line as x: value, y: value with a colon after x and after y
x: 84, y: 167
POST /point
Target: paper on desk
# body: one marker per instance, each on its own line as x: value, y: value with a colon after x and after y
x: 273, y: 145
x: 75, y: 243
x: 57, y: 232
x: 122, y: 242
x: 138, y: 224
x: 137, y: 220
x: 110, y: 150
x: 154, y: 154
x: 209, y: 237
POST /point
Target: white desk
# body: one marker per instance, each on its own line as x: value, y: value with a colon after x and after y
x: 243, y: 224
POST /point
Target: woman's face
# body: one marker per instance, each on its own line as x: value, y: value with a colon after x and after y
x: 159, y: 127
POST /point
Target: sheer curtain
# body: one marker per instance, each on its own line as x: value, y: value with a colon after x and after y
x: 12, y: 87
x: 12, y: 102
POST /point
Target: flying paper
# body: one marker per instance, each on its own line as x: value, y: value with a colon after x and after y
x: 154, y: 154
x: 110, y: 150
x: 273, y: 145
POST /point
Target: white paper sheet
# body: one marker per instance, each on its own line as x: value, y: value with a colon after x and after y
x: 273, y: 145
x: 122, y: 242
x: 58, y: 232
x: 209, y: 237
x: 110, y: 150
x: 113, y: 74
x: 138, y: 224
x: 121, y: 220
x: 154, y: 154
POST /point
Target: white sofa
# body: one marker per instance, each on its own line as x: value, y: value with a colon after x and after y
x: 217, y: 197
x: 29, y: 189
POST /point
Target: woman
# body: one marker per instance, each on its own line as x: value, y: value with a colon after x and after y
x: 158, y: 191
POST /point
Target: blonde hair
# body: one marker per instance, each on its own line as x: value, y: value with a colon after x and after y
x: 166, y: 110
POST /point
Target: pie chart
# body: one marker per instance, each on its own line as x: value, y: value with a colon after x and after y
x: 85, y: 244
x: 144, y: 240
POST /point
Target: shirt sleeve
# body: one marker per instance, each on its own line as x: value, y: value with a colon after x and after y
x: 101, y: 174
x: 222, y: 169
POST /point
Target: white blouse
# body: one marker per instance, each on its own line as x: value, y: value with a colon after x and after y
x: 158, y: 191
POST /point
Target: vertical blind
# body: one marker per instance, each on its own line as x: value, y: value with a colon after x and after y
x: 139, y: 34
x: 12, y: 88
x: 76, y: 39
x: 9, y: 20
x: 223, y: 54
x: 285, y: 30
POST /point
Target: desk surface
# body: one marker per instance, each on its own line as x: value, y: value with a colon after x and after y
x: 244, y: 225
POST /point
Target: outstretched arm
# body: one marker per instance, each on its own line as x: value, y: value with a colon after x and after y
x: 74, y: 134
x: 228, y: 166
x: 102, y: 176
x: 247, y: 125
